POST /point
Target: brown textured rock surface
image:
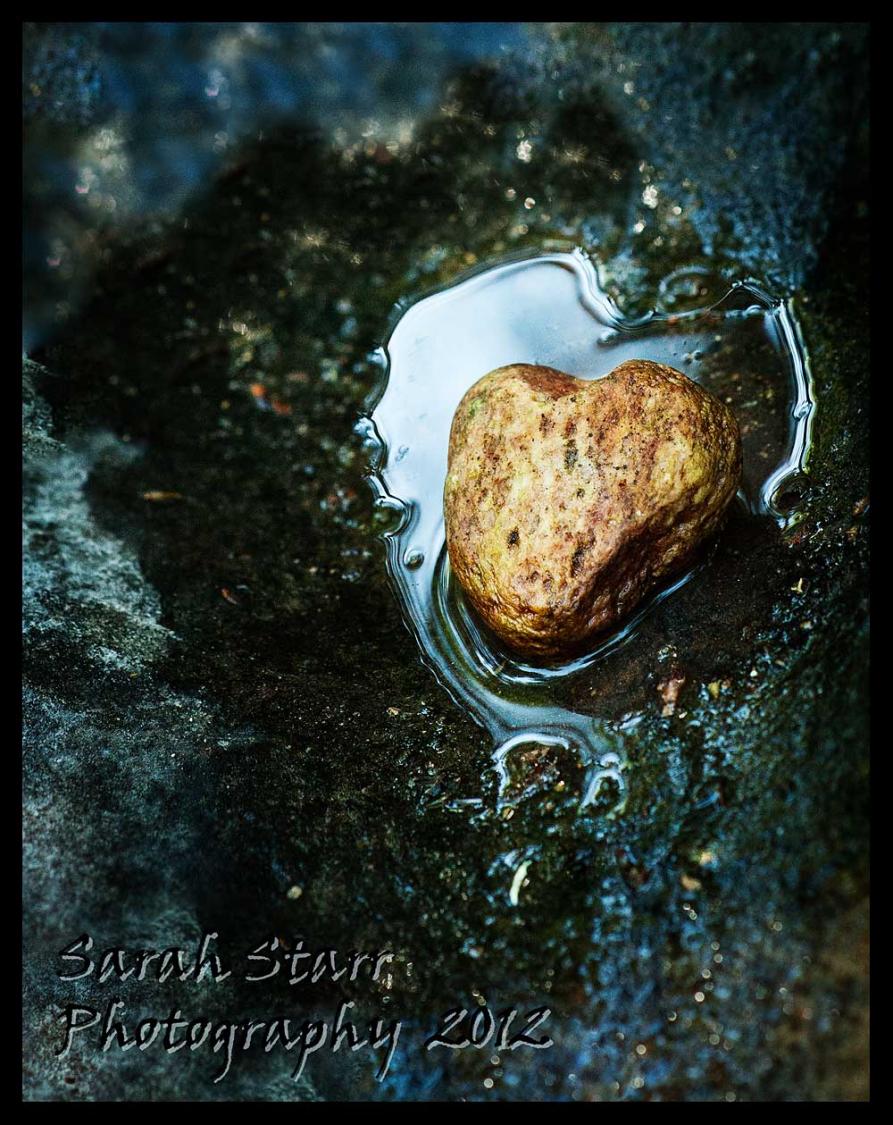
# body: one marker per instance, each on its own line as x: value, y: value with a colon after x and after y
x: 567, y: 500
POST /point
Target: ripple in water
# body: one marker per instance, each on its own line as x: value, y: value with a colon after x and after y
x: 745, y: 347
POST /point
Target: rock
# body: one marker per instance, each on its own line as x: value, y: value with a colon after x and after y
x: 568, y: 500
x: 669, y: 690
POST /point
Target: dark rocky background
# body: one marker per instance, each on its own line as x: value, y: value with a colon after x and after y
x: 221, y: 702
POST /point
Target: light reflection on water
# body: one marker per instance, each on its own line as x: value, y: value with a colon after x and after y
x: 552, y: 310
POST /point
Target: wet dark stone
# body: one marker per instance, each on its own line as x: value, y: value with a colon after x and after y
x: 221, y: 701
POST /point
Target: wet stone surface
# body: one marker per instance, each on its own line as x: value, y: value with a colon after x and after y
x: 222, y: 703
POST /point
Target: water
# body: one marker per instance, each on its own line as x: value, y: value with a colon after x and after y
x: 552, y: 310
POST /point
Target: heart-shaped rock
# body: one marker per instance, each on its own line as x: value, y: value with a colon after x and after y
x: 567, y: 500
